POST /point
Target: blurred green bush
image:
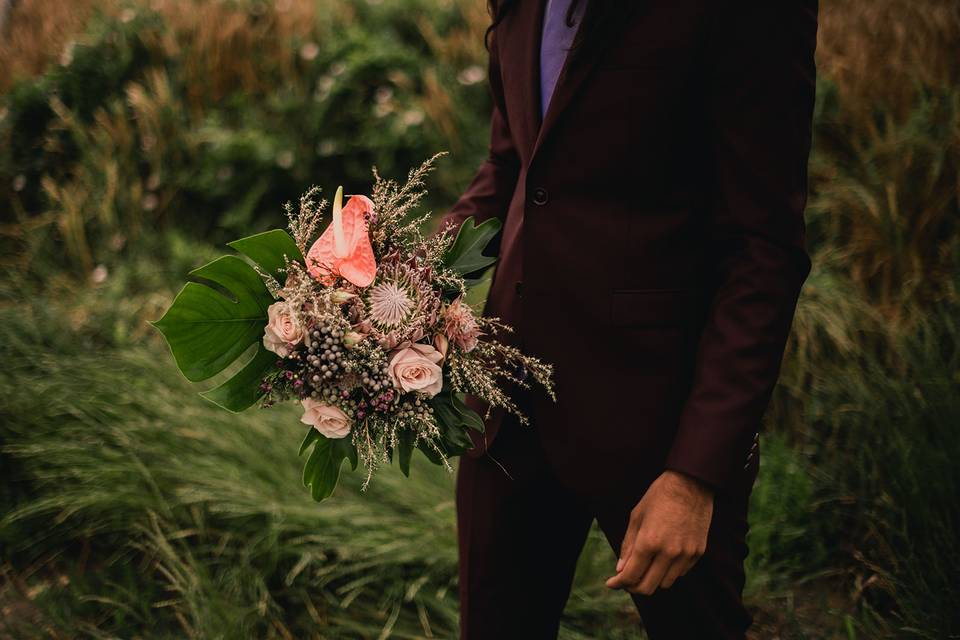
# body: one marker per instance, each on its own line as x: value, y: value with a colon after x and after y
x: 137, y: 136
x: 209, y: 120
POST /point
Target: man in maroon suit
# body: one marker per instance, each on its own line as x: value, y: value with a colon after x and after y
x: 651, y: 183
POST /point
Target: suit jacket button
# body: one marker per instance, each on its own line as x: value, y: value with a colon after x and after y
x: 540, y: 196
x: 519, y: 288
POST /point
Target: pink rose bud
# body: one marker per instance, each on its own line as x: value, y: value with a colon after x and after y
x: 441, y: 343
x: 340, y: 296
x: 351, y: 338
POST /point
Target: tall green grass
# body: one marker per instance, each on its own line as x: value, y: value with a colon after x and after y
x: 132, y: 506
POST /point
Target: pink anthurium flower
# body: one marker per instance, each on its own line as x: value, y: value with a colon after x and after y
x: 344, y: 249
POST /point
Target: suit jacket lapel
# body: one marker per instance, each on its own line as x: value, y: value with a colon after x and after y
x: 576, y: 69
x: 572, y: 76
x: 520, y: 45
x: 520, y: 49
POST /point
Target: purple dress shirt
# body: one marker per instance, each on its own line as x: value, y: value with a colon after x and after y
x: 555, y: 41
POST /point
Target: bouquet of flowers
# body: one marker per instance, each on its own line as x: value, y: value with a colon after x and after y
x: 366, y: 326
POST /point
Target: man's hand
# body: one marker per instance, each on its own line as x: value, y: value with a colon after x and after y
x: 666, y: 536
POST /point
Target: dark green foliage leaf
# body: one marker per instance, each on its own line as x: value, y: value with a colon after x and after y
x: 309, y: 439
x: 209, y: 328
x: 322, y: 469
x: 457, y: 441
x: 242, y: 390
x: 470, y: 417
x: 454, y: 417
x: 452, y: 411
x: 466, y: 256
x: 443, y: 409
x: 345, y: 448
x: 268, y: 249
x: 431, y: 454
x: 405, y: 451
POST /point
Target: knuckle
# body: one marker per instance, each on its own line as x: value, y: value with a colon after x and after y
x: 645, y: 546
x: 650, y: 540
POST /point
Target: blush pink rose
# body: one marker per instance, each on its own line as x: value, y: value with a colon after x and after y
x: 460, y: 325
x: 327, y: 419
x: 283, y: 329
x: 416, y: 368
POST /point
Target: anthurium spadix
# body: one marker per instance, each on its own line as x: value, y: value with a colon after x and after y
x: 344, y: 248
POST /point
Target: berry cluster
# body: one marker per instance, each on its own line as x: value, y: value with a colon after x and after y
x: 323, y: 359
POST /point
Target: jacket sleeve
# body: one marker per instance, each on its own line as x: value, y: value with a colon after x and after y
x: 491, y: 190
x: 759, y: 108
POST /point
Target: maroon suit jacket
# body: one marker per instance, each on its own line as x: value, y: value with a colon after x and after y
x: 652, y: 247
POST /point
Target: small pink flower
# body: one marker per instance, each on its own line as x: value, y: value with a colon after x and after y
x: 327, y: 419
x: 416, y: 368
x: 283, y: 329
x: 460, y: 325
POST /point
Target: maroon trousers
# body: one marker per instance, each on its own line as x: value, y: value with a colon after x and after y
x: 521, y: 531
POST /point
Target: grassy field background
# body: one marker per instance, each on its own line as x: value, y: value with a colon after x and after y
x: 137, y: 136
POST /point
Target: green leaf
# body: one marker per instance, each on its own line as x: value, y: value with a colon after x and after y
x: 268, y: 249
x: 457, y: 441
x: 208, y: 328
x: 345, y: 448
x: 443, y: 409
x: 470, y: 417
x: 465, y: 256
x: 405, y: 450
x: 309, y: 439
x: 243, y: 389
x: 431, y: 454
x: 211, y: 323
x: 322, y: 469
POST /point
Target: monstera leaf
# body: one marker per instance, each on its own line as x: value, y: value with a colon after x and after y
x: 270, y: 249
x: 214, y: 321
x: 465, y: 255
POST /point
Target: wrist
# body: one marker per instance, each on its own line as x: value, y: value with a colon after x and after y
x: 689, y: 484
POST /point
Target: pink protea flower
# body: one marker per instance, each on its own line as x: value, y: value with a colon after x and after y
x: 344, y: 248
x: 399, y: 306
x: 460, y: 325
x: 390, y: 304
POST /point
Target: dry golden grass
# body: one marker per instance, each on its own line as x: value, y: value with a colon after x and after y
x: 884, y: 211
x: 871, y: 48
x: 38, y: 32
x: 225, y: 48
x: 881, y: 50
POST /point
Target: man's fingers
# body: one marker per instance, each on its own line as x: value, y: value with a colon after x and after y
x: 626, y: 547
x: 634, y: 566
x: 653, y: 576
x: 679, y: 567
